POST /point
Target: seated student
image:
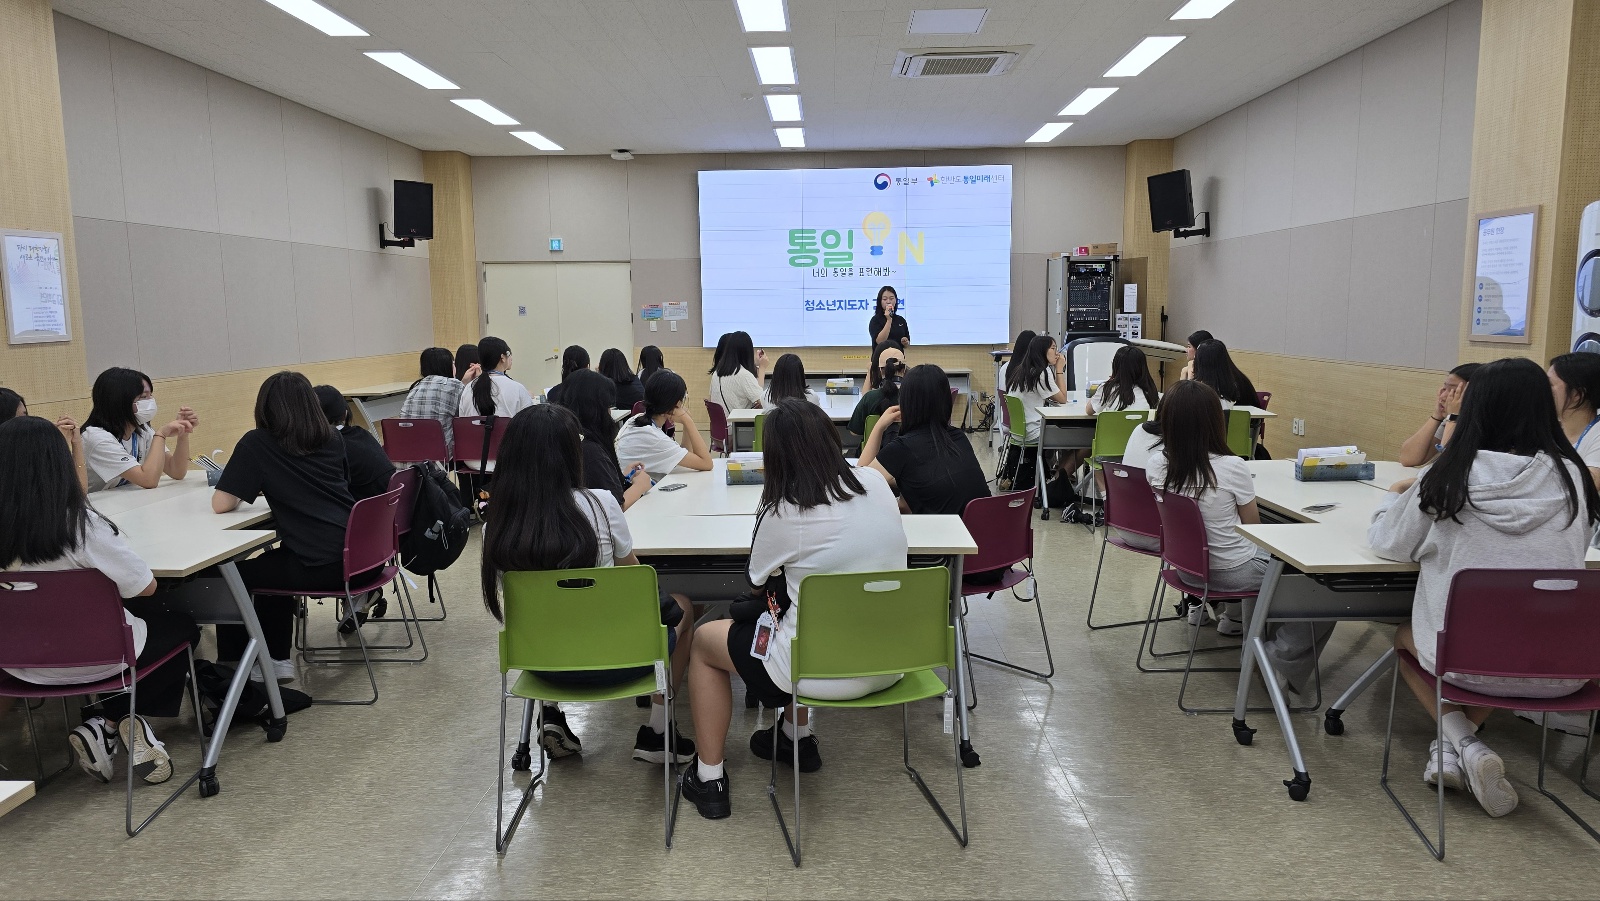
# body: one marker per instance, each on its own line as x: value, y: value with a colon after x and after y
x: 437, y: 394
x: 495, y: 393
x: 1018, y: 352
x: 467, y: 365
x: 1214, y: 367
x: 118, y: 443
x: 641, y: 439
x: 817, y: 515
x: 1144, y: 443
x: 573, y: 359
x: 543, y: 518
x: 930, y: 462
x: 1575, y: 383
x: 296, y: 460
x: 370, y: 467
x: 886, y: 358
x: 1508, y: 491
x: 788, y: 380
x: 650, y: 363
x: 1431, y: 437
x: 630, y: 389
x: 1130, y: 386
x: 736, y: 379
x: 1194, y: 340
x: 47, y: 525
x: 1040, y: 379
x: 1194, y: 461
x: 590, y: 396
x: 12, y: 405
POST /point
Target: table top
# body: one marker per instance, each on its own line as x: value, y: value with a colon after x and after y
x: 382, y: 390
x: 172, y: 527
x: 12, y: 794
x: 839, y: 407
x: 1075, y: 409
x: 861, y: 373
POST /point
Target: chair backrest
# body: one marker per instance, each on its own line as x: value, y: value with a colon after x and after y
x: 405, y: 482
x: 372, y: 537
x: 719, y: 420
x: 1131, y: 502
x: 1263, y: 398
x: 871, y: 624
x: 872, y: 423
x: 1183, y: 535
x: 1016, y: 418
x: 1005, y: 411
x: 1239, y: 437
x: 1089, y: 360
x: 1003, y: 526
x: 414, y: 441
x: 638, y: 407
x: 1112, y: 429
x: 469, y: 437
x: 68, y: 618
x: 581, y: 619
x: 759, y: 427
x: 1522, y: 624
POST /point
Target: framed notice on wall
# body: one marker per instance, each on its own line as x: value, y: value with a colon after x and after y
x: 33, y: 286
x: 1502, y: 274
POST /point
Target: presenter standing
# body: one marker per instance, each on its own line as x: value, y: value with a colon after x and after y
x: 887, y: 326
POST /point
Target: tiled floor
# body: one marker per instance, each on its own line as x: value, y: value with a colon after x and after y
x: 1092, y: 785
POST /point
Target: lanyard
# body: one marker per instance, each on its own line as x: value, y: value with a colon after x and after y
x: 136, y: 444
x: 1585, y: 432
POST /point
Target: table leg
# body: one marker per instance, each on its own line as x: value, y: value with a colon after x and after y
x: 969, y: 757
x: 1256, y: 628
x: 362, y: 417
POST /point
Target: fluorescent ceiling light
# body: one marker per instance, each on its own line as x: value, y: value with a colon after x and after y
x: 774, y: 65
x: 1048, y: 132
x: 320, y: 17
x: 762, y: 15
x: 537, y: 140
x: 784, y: 107
x: 790, y: 137
x: 1088, y: 100
x: 946, y: 21
x: 1201, y: 9
x: 414, y: 70
x: 485, y: 112
x: 1140, y: 57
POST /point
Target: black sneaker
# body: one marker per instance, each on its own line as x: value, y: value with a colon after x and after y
x: 651, y: 746
x: 710, y: 798
x: 557, y: 739
x: 810, y: 759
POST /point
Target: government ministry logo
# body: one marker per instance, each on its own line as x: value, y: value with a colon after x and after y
x: 881, y: 181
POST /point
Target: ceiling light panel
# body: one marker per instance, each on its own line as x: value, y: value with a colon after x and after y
x: 1201, y: 9
x: 784, y: 107
x: 946, y: 21
x: 774, y: 65
x: 536, y: 139
x: 762, y: 15
x: 1088, y: 100
x: 1142, y: 56
x: 790, y: 137
x: 485, y: 112
x: 414, y: 70
x: 321, y: 18
x: 1048, y: 132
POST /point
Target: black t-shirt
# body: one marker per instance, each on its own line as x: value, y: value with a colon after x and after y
x: 933, y: 478
x: 629, y: 394
x: 600, y: 471
x: 310, y: 495
x: 370, y: 467
x: 897, y: 331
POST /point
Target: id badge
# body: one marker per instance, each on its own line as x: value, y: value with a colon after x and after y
x: 761, y: 645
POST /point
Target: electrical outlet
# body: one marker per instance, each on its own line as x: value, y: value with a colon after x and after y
x: 652, y: 325
x: 674, y: 325
x: 1298, y: 426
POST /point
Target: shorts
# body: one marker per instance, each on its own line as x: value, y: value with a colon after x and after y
x: 603, y: 677
x: 757, y: 680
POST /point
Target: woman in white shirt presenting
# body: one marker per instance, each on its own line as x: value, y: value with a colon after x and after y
x: 119, y: 444
x: 642, y: 439
x: 817, y: 515
x: 736, y: 381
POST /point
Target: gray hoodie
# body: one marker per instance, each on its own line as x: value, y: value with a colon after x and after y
x: 1516, y: 518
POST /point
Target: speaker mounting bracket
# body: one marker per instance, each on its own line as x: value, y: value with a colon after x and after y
x: 1204, y: 231
x: 384, y: 241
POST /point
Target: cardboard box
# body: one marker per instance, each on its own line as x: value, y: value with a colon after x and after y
x: 1102, y: 250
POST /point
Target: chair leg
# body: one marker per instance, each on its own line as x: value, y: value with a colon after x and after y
x: 502, y: 830
x: 522, y: 760
x: 1383, y: 777
x: 1583, y: 778
x: 1049, y: 657
x: 366, y: 659
x: 772, y: 785
x: 40, y: 776
x: 966, y: 647
x: 133, y: 709
x: 961, y: 835
x: 1096, y: 590
x: 669, y: 768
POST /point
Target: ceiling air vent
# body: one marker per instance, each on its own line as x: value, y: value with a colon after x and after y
x: 946, y: 63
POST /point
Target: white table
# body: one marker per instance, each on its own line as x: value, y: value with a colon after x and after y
x: 174, y: 530
x: 375, y: 402
x: 742, y: 422
x: 12, y: 794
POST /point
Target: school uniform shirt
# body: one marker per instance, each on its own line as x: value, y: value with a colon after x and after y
x: 766, y: 397
x: 370, y: 467
x: 1141, y: 447
x: 1588, y: 444
x: 629, y: 393
x: 600, y: 471
x: 649, y: 445
x: 510, y: 398
x: 739, y: 391
x: 108, y: 457
x: 1034, y: 398
x: 610, y: 527
x: 1105, y: 402
x: 1219, y: 506
x: 435, y: 397
x: 102, y: 549
x: 933, y: 476
x: 310, y: 495
x: 863, y: 534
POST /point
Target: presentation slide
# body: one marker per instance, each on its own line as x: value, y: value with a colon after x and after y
x: 796, y: 257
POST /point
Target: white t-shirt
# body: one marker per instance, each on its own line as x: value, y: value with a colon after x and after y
x: 1141, y: 447
x: 1589, y: 445
x: 600, y: 507
x: 1219, y: 506
x: 510, y: 398
x: 863, y: 534
x: 739, y: 391
x: 1105, y: 403
x: 1035, y: 398
x: 766, y: 397
x: 649, y: 445
x: 108, y: 457
x: 102, y: 549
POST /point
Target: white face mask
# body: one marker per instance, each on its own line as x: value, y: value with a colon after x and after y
x: 144, y: 410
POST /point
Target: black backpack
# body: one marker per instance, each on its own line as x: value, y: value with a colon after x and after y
x: 439, y: 523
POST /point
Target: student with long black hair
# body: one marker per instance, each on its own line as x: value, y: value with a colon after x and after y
x: 1575, y: 383
x: 1195, y: 339
x: 119, y: 444
x: 436, y: 394
x: 1431, y: 437
x: 1039, y: 379
x: 736, y: 381
x: 573, y: 359
x: 642, y: 438
x: 888, y: 364
x: 12, y: 405
x: 467, y: 365
x: 495, y: 392
x: 591, y: 398
x: 614, y: 366
x: 47, y: 525
x: 650, y: 363
x: 1508, y: 491
x: 1214, y: 367
x: 817, y: 515
x: 543, y: 518
x: 930, y: 462
x: 788, y: 380
x: 716, y: 355
x: 1130, y: 386
x: 1018, y: 352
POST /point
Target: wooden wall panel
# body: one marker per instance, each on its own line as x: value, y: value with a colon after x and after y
x: 1145, y: 253
x: 1371, y: 406
x: 453, y: 254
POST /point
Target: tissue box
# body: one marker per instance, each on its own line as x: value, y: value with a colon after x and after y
x: 842, y: 386
x: 739, y: 474
x: 1337, y: 472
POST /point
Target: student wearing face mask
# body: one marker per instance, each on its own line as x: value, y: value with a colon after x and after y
x: 119, y: 443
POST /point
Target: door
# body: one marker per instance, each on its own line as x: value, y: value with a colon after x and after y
x: 540, y: 308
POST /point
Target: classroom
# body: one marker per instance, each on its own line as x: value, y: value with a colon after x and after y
x: 1182, y: 411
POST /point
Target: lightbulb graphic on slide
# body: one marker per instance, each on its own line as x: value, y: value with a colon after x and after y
x: 876, y: 227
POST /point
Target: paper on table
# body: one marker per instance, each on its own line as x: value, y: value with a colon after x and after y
x: 1326, y: 452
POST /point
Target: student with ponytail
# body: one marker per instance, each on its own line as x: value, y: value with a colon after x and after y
x: 643, y: 440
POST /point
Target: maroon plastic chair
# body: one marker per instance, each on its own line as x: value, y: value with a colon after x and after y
x: 74, y: 618
x: 405, y: 481
x: 1002, y: 525
x: 719, y: 428
x: 415, y: 441
x: 638, y: 407
x: 1518, y: 624
x: 469, y: 442
x: 1130, y: 510
x: 1263, y: 398
x: 371, y: 561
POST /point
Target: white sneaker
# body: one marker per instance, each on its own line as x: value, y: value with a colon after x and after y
x: 147, y: 756
x: 94, y: 746
x: 1227, y: 625
x: 1486, y: 778
x: 1450, y: 772
x: 282, y: 670
x: 1198, y: 614
x: 1572, y: 722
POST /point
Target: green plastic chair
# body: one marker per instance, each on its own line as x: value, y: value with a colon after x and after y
x: 871, y: 624
x: 577, y: 620
x: 755, y: 441
x: 1112, y: 429
x: 1239, y: 437
x: 1017, y: 420
x: 872, y: 422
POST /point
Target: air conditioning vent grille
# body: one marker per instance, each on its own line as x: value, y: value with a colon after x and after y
x: 954, y: 63
x: 970, y: 65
